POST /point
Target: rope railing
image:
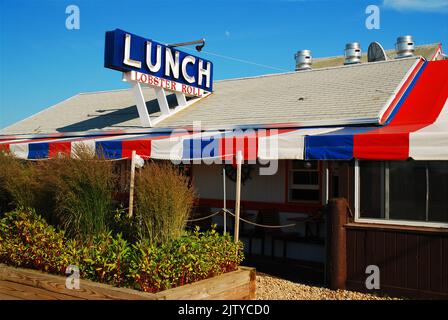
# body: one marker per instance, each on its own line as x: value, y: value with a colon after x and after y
x: 204, y: 218
x: 242, y: 219
x: 261, y: 225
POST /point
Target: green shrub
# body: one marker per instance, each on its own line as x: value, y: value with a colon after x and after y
x: 123, y: 225
x: 163, y: 198
x: 107, y: 259
x: 192, y: 257
x: 26, y: 240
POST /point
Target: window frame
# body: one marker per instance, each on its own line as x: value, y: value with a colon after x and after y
x: 385, y: 220
x: 290, y: 185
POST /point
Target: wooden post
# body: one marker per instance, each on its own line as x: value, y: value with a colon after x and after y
x: 131, y: 186
x: 224, y: 197
x: 338, y: 243
x: 239, y: 160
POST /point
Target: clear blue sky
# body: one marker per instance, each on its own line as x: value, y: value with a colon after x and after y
x: 42, y: 63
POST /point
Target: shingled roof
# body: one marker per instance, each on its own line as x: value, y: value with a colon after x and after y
x: 337, y: 95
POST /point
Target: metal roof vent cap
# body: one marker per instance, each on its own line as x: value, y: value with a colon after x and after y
x: 352, y: 53
x: 404, y: 47
x: 304, y: 60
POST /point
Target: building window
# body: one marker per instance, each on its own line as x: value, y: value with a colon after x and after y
x: 412, y: 191
x: 303, y: 181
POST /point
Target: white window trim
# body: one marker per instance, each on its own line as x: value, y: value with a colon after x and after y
x: 386, y: 221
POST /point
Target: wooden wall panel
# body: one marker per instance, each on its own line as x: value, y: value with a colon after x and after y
x: 424, y: 260
x: 401, y: 260
x: 445, y: 265
x: 360, y: 262
x: 412, y: 263
x: 435, y: 267
x: 412, y: 257
x: 389, y: 265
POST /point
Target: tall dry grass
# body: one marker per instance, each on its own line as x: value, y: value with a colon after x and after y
x: 20, y: 183
x: 77, y: 195
x: 83, y: 190
x: 73, y: 193
x: 163, y: 199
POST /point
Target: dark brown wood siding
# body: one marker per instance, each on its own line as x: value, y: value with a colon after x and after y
x: 412, y: 262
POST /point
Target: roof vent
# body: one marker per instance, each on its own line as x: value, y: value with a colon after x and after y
x: 404, y: 47
x: 304, y: 60
x: 376, y: 52
x: 352, y: 53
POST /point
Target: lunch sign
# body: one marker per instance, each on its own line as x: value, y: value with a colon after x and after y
x: 154, y: 64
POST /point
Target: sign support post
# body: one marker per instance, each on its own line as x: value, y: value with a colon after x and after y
x: 163, y: 102
x: 224, y: 198
x: 141, y: 105
x: 239, y: 159
x: 181, y: 100
x: 131, y: 186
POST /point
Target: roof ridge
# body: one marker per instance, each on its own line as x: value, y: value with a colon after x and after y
x: 274, y: 74
x: 364, y: 53
x: 321, y: 69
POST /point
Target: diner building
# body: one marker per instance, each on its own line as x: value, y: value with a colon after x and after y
x: 374, y: 133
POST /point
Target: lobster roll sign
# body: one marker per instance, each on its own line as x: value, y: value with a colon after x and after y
x: 156, y: 64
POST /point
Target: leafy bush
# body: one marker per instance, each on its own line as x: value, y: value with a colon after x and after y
x: 164, y: 199
x: 106, y: 259
x: 26, y: 240
x: 124, y: 225
x: 190, y: 258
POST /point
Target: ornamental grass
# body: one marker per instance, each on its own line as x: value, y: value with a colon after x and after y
x: 83, y: 193
x: 164, y: 199
x: 72, y: 193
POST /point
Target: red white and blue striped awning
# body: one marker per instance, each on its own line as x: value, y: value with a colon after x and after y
x: 416, y: 127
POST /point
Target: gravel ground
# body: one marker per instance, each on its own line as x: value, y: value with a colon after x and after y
x: 272, y: 288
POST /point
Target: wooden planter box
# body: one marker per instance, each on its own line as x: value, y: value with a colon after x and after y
x: 18, y: 283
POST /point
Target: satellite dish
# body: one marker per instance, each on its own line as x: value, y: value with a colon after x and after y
x: 376, y: 52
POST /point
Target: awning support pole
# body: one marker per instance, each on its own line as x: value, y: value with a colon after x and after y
x: 224, y: 198
x: 239, y: 159
x: 131, y: 186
